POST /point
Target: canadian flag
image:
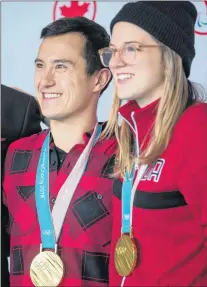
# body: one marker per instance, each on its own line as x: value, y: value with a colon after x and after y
x: 72, y: 9
x: 75, y: 9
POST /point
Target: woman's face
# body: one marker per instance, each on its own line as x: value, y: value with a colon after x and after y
x: 138, y: 72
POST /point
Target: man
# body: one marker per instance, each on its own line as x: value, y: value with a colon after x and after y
x: 69, y: 79
x: 20, y: 116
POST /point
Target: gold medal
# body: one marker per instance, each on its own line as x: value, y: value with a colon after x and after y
x: 47, y: 269
x: 125, y: 256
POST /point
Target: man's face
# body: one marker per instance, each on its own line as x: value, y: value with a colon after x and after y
x: 62, y: 84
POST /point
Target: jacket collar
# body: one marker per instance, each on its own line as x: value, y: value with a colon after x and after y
x: 107, y: 143
x: 140, y: 120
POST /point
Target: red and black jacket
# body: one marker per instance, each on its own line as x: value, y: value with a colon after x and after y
x: 170, y: 205
x: 84, y: 243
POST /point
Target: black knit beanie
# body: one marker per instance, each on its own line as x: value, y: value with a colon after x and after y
x: 170, y: 22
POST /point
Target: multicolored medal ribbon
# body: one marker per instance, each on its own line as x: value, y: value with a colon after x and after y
x: 47, y: 268
x: 126, y: 252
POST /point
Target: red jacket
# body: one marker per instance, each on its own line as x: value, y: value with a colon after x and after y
x: 170, y: 205
x: 84, y: 243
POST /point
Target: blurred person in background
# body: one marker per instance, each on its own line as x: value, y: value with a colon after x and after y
x: 20, y: 117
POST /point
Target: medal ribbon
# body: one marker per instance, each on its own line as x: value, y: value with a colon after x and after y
x: 126, y: 199
x: 128, y: 193
x: 51, y: 223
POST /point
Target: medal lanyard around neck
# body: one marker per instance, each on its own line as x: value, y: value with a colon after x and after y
x: 129, y: 188
x: 128, y: 192
x: 50, y: 227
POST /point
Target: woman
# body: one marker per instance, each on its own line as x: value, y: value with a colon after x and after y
x: 161, y: 238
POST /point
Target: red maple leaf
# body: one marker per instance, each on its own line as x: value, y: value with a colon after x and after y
x: 74, y: 10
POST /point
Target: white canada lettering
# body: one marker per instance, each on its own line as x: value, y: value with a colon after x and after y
x: 154, y: 172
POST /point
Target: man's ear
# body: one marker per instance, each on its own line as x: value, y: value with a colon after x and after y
x: 102, y: 78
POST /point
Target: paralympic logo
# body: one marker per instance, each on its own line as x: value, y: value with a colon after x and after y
x: 201, y: 22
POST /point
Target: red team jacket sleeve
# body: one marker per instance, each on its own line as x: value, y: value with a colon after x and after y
x: 192, y: 180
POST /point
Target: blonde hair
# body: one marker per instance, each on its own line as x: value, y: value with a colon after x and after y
x: 178, y: 93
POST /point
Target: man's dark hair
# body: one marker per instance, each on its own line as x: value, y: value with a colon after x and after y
x: 95, y: 35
